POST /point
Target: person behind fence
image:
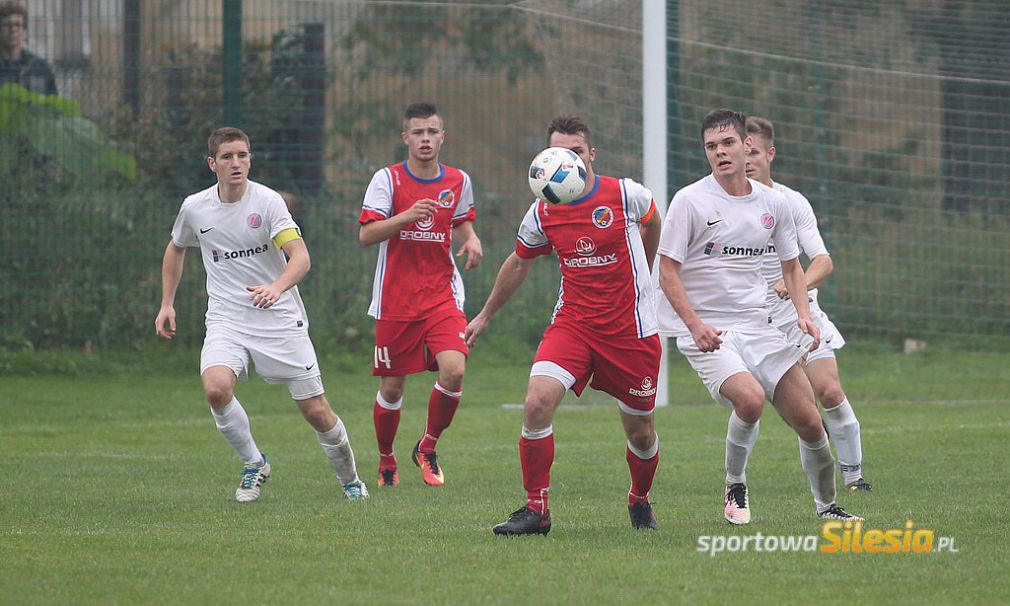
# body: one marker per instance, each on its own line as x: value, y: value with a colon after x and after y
x: 713, y: 244
x: 820, y: 365
x: 602, y: 331
x: 415, y: 210
x: 18, y: 65
x: 254, y: 257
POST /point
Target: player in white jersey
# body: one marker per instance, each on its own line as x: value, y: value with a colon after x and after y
x: 820, y: 365
x: 714, y: 237
x: 254, y: 311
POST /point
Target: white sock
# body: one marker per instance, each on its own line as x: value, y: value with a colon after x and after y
x: 337, y: 447
x: 233, y: 423
x: 816, y: 459
x: 844, y: 429
x: 740, y: 439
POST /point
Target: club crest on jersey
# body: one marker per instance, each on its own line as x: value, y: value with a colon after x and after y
x: 585, y: 246
x: 603, y: 217
x: 648, y: 389
x: 767, y: 221
x: 254, y: 220
x: 446, y: 198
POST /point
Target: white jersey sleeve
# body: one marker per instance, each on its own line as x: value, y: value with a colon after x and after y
x: 639, y: 200
x: 465, y: 199
x: 784, y: 232
x: 811, y: 242
x: 277, y: 215
x: 677, y: 228
x: 183, y: 234
x: 531, y: 232
x: 379, y: 195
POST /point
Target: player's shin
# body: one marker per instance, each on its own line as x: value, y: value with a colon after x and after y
x: 642, y: 464
x: 233, y: 423
x: 819, y: 465
x: 442, y: 405
x: 337, y: 447
x: 740, y: 439
x: 844, y: 429
x: 536, y: 453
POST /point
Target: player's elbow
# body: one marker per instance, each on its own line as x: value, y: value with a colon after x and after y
x: 829, y: 265
x: 363, y: 237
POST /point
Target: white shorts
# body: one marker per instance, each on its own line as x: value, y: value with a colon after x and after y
x: 762, y: 351
x: 289, y: 359
x: 831, y: 339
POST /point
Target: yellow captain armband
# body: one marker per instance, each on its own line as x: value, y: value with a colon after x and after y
x: 286, y: 236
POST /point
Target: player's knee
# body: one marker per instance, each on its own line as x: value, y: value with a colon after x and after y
x: 642, y: 437
x: 810, y: 429
x: 749, y: 406
x: 831, y: 395
x: 218, y: 395
x: 318, y: 413
x: 451, y: 378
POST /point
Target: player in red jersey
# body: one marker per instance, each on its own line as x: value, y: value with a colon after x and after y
x: 603, y: 330
x: 414, y: 210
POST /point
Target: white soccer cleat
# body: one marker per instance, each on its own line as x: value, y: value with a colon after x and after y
x: 837, y: 513
x: 253, y: 476
x: 355, y: 491
x: 737, y: 509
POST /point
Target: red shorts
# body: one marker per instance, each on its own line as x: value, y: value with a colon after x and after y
x: 626, y: 368
x: 405, y: 348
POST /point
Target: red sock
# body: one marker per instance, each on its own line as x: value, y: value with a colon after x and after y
x: 442, y: 405
x: 386, y: 423
x: 642, y: 473
x: 536, y: 457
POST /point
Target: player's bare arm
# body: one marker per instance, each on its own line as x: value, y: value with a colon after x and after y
x: 817, y: 272
x: 705, y: 337
x: 651, y: 229
x: 299, y: 262
x: 469, y: 244
x: 377, y: 231
x: 512, y: 274
x: 796, y: 284
x: 171, y: 275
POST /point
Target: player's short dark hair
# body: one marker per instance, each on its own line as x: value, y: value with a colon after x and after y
x: 421, y: 109
x: 224, y: 135
x: 13, y: 8
x: 569, y: 125
x: 757, y: 125
x: 725, y: 117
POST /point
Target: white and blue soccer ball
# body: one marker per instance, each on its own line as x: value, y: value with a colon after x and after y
x: 557, y: 175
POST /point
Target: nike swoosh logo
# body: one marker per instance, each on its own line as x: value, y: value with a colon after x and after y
x: 309, y: 367
x: 710, y: 223
x: 203, y: 231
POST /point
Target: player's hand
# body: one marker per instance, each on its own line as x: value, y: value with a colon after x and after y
x: 808, y: 327
x: 474, y: 253
x: 422, y: 209
x: 475, y: 328
x: 165, y: 316
x: 707, y: 338
x: 781, y: 290
x: 263, y: 296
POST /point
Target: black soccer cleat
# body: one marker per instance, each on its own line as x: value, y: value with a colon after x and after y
x: 834, y: 512
x: 859, y: 485
x: 525, y: 521
x: 642, y: 517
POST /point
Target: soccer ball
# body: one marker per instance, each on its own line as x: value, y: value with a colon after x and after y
x: 557, y: 175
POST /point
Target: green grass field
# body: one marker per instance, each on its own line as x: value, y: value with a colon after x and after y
x: 117, y: 489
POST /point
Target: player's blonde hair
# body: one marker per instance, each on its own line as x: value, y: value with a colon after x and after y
x: 757, y: 125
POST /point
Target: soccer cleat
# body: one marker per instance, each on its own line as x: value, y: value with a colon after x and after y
x: 737, y: 509
x: 431, y: 473
x: 859, y: 485
x: 642, y: 516
x: 837, y: 513
x: 524, y: 521
x: 389, y: 477
x: 355, y: 491
x: 253, y: 476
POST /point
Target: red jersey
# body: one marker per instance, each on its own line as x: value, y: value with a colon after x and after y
x: 416, y: 274
x: 606, y: 285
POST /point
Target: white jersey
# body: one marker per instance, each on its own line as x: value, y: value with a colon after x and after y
x: 811, y: 244
x: 235, y: 240
x: 720, y: 241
